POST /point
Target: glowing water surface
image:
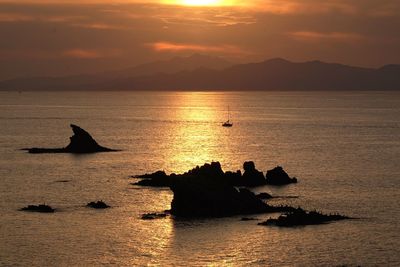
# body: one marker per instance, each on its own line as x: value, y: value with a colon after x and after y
x: 343, y: 147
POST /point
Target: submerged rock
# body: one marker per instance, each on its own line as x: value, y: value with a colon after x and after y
x: 278, y: 176
x: 38, y: 208
x: 97, y: 205
x: 80, y: 142
x: 300, y: 217
x: 153, y: 216
x: 62, y: 181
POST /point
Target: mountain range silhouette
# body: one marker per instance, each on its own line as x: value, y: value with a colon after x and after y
x: 202, y: 73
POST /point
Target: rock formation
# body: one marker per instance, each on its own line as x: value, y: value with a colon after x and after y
x: 156, y: 179
x: 278, y: 176
x: 80, y: 142
x: 300, y: 217
x: 153, y: 216
x: 161, y: 179
x: 251, y: 177
x: 38, y: 208
x: 97, y: 205
x: 210, y: 197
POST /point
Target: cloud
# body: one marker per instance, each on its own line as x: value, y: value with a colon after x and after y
x: 185, y: 47
x: 81, y: 53
x: 310, y: 36
x: 90, y: 53
x: 389, y: 9
x: 76, y: 53
x: 305, y: 6
x: 208, y: 20
x: 15, y: 17
x: 283, y: 7
x: 99, y: 26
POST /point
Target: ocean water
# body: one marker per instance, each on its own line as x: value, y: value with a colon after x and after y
x: 343, y: 147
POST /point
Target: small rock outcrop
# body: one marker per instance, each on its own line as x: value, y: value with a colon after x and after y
x: 153, y: 216
x: 156, y: 179
x: 97, y: 205
x: 278, y: 176
x: 300, y: 217
x: 81, y: 142
x: 38, y: 208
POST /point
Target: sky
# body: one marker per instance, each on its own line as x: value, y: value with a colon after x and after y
x: 63, y: 37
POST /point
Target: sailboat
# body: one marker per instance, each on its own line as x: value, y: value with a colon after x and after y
x: 227, y: 123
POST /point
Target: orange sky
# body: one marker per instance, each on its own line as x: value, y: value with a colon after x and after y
x: 48, y: 37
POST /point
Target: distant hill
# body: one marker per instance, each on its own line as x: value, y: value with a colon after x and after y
x: 95, y: 81
x: 206, y: 73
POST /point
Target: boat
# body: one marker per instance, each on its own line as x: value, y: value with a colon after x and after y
x: 227, y: 123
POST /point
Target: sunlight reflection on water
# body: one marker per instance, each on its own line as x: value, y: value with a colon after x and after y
x: 341, y: 146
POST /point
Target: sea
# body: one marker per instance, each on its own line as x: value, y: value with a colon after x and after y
x: 344, y: 148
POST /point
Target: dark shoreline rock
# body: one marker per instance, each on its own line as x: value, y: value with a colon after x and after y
x: 97, y: 205
x: 38, y: 208
x: 80, y: 143
x: 278, y: 176
x: 300, y: 217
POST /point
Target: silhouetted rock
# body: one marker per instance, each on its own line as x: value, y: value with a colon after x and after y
x: 153, y: 216
x: 97, y: 205
x: 234, y: 177
x: 251, y: 176
x: 211, y: 197
x: 39, y: 208
x: 80, y: 142
x: 278, y: 176
x: 207, y: 170
x: 264, y: 196
x: 161, y: 179
x: 299, y: 217
x: 155, y: 175
x: 156, y: 179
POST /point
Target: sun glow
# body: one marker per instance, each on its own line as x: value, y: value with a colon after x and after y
x: 201, y: 3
